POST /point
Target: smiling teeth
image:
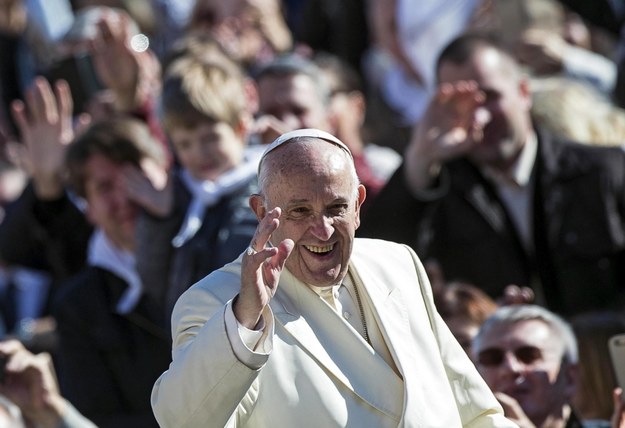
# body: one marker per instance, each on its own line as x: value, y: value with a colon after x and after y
x: 319, y: 249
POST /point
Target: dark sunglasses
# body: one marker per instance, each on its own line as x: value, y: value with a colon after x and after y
x: 492, y: 357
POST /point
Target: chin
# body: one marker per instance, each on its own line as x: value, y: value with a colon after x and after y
x: 322, y: 279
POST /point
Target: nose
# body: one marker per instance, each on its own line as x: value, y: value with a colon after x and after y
x: 511, y: 363
x: 322, y: 227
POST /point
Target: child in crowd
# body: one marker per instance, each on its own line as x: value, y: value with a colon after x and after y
x: 201, y: 220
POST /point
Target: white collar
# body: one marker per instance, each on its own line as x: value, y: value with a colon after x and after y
x: 106, y: 255
x: 206, y: 193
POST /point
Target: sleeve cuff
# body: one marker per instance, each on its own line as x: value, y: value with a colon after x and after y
x: 251, y: 347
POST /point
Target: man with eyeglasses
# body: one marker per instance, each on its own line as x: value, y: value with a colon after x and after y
x: 528, y: 356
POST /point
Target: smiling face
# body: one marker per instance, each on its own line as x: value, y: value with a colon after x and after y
x: 524, y: 361
x: 314, y: 183
x: 208, y: 149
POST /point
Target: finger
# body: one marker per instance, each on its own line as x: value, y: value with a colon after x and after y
x: 284, y: 250
x: 18, y: 112
x: 267, y: 226
x: 82, y: 123
x: 106, y: 32
x: 65, y: 104
x: 11, y: 346
x: 46, y: 101
x: 527, y: 294
x: 511, y: 407
x: 272, y: 267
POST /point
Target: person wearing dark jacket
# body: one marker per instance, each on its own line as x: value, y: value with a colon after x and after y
x: 112, y: 335
x: 496, y: 201
x: 204, y: 221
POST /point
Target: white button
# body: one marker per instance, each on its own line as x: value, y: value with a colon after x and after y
x: 346, y: 315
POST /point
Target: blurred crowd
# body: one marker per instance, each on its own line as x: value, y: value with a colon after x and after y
x: 489, y: 135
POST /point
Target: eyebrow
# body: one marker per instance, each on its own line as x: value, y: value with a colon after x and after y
x: 307, y: 201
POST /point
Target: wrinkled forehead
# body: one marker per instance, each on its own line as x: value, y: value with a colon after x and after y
x: 305, y: 166
x: 485, y: 66
x: 512, y: 335
x: 310, y: 136
x: 312, y: 157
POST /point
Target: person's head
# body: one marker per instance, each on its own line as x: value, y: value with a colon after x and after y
x: 347, y: 98
x: 204, y: 112
x: 312, y: 178
x: 95, y: 163
x: 292, y: 89
x: 464, y: 307
x: 530, y: 354
x: 198, y: 45
x: 74, y: 57
x: 597, y: 379
x: 478, y: 58
x: 241, y: 26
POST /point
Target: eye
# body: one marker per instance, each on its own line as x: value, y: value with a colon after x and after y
x: 528, y: 354
x: 338, y: 210
x: 298, y: 213
x: 490, y: 357
x: 299, y: 111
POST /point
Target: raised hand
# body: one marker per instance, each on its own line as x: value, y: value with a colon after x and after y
x: 268, y: 128
x: 260, y: 271
x: 515, y: 295
x: 116, y: 63
x: 150, y: 189
x: 513, y: 411
x: 45, y: 124
x: 451, y: 126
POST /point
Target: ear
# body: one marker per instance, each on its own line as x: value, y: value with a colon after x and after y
x: 526, y: 91
x: 570, y: 377
x: 362, y: 195
x: 257, y: 204
x: 359, y: 104
x: 89, y: 213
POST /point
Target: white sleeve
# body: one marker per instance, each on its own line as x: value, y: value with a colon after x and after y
x: 251, y: 347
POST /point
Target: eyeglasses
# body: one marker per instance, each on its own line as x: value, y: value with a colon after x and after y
x: 492, y: 357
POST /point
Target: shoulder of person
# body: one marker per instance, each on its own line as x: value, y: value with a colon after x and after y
x: 380, y: 250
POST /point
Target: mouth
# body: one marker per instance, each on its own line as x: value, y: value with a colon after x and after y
x: 517, y: 392
x: 320, y: 251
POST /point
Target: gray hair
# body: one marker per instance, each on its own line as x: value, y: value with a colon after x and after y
x: 509, y: 315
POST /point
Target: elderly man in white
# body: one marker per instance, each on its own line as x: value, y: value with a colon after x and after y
x: 311, y: 327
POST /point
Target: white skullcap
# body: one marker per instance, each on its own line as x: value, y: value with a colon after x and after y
x: 307, y: 133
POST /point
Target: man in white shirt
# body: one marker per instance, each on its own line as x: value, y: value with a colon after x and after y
x: 311, y: 327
